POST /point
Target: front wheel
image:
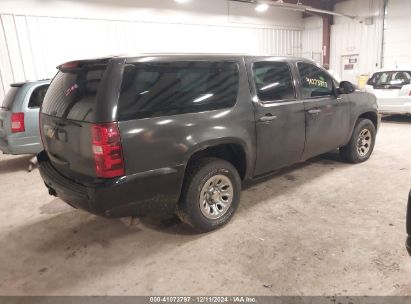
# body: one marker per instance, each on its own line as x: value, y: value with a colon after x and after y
x: 361, y: 144
x: 211, y: 194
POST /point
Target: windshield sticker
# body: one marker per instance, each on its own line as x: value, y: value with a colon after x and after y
x: 71, y: 90
x: 317, y: 82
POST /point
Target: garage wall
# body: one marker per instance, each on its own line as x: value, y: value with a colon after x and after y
x: 397, y: 39
x: 312, y: 38
x: 362, y: 36
x: 36, y: 36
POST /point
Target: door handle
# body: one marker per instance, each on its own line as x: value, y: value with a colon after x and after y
x: 314, y: 112
x: 268, y: 118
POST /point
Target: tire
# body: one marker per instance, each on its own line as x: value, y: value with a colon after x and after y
x: 210, y: 184
x: 361, y: 144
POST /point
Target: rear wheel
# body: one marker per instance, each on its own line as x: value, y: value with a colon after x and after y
x: 211, y: 194
x: 361, y: 144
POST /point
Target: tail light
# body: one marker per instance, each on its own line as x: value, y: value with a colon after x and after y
x: 17, y: 122
x: 107, y: 150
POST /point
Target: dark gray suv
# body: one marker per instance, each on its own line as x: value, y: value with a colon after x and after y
x: 179, y: 133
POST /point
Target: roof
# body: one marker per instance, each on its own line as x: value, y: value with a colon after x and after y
x: 394, y: 69
x: 145, y: 57
x: 20, y: 84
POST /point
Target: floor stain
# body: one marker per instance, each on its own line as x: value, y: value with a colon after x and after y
x: 54, y: 207
x: 290, y: 177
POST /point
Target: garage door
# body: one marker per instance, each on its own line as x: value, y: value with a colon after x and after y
x: 397, y: 40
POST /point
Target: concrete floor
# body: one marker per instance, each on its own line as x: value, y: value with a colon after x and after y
x: 319, y: 228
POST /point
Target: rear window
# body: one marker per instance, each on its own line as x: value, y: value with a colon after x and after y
x: 156, y: 89
x: 37, y: 97
x: 390, y: 78
x: 9, y: 99
x: 72, y: 93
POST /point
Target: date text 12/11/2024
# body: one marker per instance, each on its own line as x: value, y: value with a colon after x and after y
x: 205, y: 299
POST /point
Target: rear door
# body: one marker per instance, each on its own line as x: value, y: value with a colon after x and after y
x: 81, y: 94
x: 327, y: 116
x: 279, y: 115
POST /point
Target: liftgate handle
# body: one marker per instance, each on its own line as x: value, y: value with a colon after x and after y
x: 268, y: 118
x: 314, y: 112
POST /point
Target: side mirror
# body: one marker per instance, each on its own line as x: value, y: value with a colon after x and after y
x: 346, y: 87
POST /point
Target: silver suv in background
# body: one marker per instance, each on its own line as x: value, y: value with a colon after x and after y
x: 392, y: 87
x: 19, y: 118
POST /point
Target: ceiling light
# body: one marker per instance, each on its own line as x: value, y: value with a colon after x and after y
x: 261, y: 8
x: 182, y: 1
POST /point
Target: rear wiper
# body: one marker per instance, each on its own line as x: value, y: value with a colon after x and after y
x: 65, y: 123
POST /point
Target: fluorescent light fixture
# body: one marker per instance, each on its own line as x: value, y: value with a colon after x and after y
x: 262, y: 7
x: 182, y: 1
x: 270, y: 86
x: 202, y: 98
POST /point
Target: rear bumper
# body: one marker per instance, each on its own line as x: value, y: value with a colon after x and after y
x: 20, y: 144
x: 4, y: 146
x: 395, y: 109
x: 153, y: 192
x: 408, y: 242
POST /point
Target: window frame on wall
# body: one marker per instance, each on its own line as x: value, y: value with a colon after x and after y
x: 293, y: 84
x: 334, y: 82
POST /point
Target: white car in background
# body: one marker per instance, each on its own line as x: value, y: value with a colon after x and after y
x: 392, y: 87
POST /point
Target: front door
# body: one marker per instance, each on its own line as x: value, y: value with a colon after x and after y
x: 327, y: 116
x: 280, y: 122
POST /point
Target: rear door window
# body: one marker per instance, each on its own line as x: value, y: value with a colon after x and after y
x: 37, y: 97
x: 73, y: 93
x: 273, y: 81
x: 169, y: 88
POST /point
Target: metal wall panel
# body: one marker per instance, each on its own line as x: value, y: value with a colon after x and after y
x: 397, y: 40
x: 312, y: 44
x: 312, y: 39
x: 32, y: 46
x: 352, y: 37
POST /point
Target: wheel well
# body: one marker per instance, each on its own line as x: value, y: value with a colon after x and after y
x: 233, y: 153
x: 371, y: 116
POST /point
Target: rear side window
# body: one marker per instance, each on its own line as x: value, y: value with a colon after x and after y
x: 9, y: 99
x: 315, y: 81
x: 156, y: 89
x: 72, y: 94
x: 273, y: 81
x: 37, y: 97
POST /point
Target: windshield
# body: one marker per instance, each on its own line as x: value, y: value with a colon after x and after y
x: 9, y: 99
x: 390, y: 78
